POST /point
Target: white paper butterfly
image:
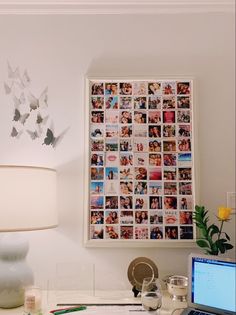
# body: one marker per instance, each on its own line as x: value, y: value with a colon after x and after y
x: 41, y: 102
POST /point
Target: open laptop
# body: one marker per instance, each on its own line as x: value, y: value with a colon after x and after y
x: 211, y: 287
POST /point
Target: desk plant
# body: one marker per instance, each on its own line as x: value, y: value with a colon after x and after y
x: 212, y: 238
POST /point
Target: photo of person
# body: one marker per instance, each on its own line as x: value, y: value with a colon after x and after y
x: 111, y: 102
x: 169, y: 131
x: 170, y: 202
x: 140, y: 102
x: 96, y: 232
x: 111, y: 217
x: 97, y: 145
x: 97, y: 102
x: 112, y: 117
x: 96, y: 188
x: 155, y: 202
x: 126, y: 159
x: 140, y: 145
x: 126, y: 131
x: 97, y: 89
x: 111, y: 173
x: 170, y: 173
x: 156, y: 233
x: 112, y: 159
x: 97, y: 173
x: 154, y: 117
x: 185, y: 217
x: 141, y: 217
x: 140, y: 173
x: 125, y: 117
x: 112, y: 232
x: 126, y: 102
x: 112, y: 131
x: 126, y: 232
x: 125, y: 88
x: 140, y: 203
x: 170, y: 188
x: 111, y: 88
x: 126, y: 202
x: 126, y: 188
x: 140, y: 159
x: 111, y: 144
x: 155, y: 159
x: 140, y: 188
x: 141, y: 233
x: 184, y: 131
x: 140, y: 117
x: 155, y: 146
x: 97, y: 217
x: 155, y: 173
x: 140, y: 130
x: 168, y: 117
x: 154, y: 88
x: 156, y: 217
x: 97, y: 131
x: 184, y: 145
x: 155, y: 188
x: 183, y: 88
x: 97, y: 117
x: 169, y: 145
x: 126, y: 217
x: 170, y: 217
x: 96, y: 202
x: 183, y: 102
x: 97, y: 159
x: 168, y: 102
x: 111, y: 202
x: 111, y: 187
x: 169, y: 88
x: 186, y: 232
x: 126, y: 145
x: 154, y: 102
x: 185, y: 188
x: 185, y: 173
x: 171, y: 232
x: 169, y: 159
x: 183, y: 116
x: 140, y: 88
x: 126, y: 173
x: 154, y: 131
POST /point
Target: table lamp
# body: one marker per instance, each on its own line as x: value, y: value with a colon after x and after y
x: 27, y: 203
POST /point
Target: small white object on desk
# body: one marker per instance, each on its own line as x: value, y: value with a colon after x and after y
x: 33, y: 300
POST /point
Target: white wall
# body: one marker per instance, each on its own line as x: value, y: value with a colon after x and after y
x: 58, y: 51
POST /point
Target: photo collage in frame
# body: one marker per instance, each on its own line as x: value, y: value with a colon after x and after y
x: 141, y: 175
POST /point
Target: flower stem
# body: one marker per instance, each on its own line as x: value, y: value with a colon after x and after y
x: 221, y: 226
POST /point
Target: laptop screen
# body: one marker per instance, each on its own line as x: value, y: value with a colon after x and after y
x: 213, y: 283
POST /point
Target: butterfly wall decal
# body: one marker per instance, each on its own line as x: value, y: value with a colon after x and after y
x: 15, y: 133
x: 8, y: 88
x: 37, y: 133
x: 20, y: 100
x: 41, y: 102
x: 21, y: 118
x: 13, y: 74
x: 41, y: 120
x: 50, y: 139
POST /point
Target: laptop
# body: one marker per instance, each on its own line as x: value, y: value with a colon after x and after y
x: 211, y: 288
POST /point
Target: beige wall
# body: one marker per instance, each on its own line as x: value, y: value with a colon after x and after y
x: 58, y: 51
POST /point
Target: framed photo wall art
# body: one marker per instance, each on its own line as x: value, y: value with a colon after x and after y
x: 140, y: 167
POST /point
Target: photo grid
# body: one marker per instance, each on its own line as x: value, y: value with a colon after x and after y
x: 141, y: 162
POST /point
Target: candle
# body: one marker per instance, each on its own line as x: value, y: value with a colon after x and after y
x: 33, y: 300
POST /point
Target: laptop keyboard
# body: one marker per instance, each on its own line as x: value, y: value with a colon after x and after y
x: 198, y: 313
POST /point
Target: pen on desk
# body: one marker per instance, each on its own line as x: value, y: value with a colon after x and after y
x: 65, y: 308
x: 69, y: 310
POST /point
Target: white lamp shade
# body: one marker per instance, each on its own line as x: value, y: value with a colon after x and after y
x: 27, y: 198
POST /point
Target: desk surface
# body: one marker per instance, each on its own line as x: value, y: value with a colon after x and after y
x: 50, y: 299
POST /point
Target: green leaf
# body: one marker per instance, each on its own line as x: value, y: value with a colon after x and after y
x: 227, y: 236
x: 202, y: 243
x: 214, y: 229
x: 228, y: 246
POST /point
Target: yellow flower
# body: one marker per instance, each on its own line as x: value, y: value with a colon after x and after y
x: 224, y: 213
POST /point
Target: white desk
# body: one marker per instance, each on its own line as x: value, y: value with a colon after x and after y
x: 51, y: 298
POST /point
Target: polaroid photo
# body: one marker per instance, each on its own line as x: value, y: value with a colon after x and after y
x: 125, y: 88
x: 141, y: 233
x: 97, y: 173
x: 112, y: 232
x: 140, y: 102
x: 96, y: 188
x: 111, y: 187
x: 96, y: 202
x: 112, y: 117
x: 140, y: 202
x: 126, y: 232
x: 97, y: 102
x: 185, y: 217
x: 111, y: 102
x: 155, y: 146
x: 126, y: 102
x: 183, y: 88
x: 170, y: 202
x: 111, y: 217
x: 154, y: 102
x: 185, y: 159
x: 168, y: 117
x: 111, y: 88
x: 184, y: 131
x: 111, y: 173
x: 97, y: 131
x: 140, y: 131
x: 140, y: 117
x: 97, y: 145
x: 155, y: 159
x: 169, y: 102
x: 112, y: 131
x: 126, y: 159
x: 171, y: 217
x: 183, y: 116
x: 169, y: 145
x: 140, y: 159
x: 140, y: 145
x: 96, y: 232
x: 155, y: 202
x: 185, y: 173
x: 97, y: 217
x: 125, y: 117
x: 112, y: 159
x: 126, y: 145
x: 171, y: 232
x: 185, y: 188
x: 140, y: 188
x: 169, y: 159
x: 184, y: 145
x: 140, y: 173
x: 126, y: 202
x: 97, y: 88
x: 126, y: 131
x: 155, y: 188
x: 156, y: 217
x: 170, y: 188
x: 169, y: 131
x: 154, y: 117
x: 170, y: 173
x: 154, y: 131
x: 186, y: 203
x: 141, y: 217
x: 186, y: 232
x: 154, y: 88
x: 183, y: 102
x: 111, y: 144
x: 111, y: 202
x: 97, y: 159
x: 169, y: 88
x: 126, y: 217
x: 97, y: 117
x: 156, y: 232
x: 140, y: 88
x: 126, y: 187
x: 126, y: 172
x: 155, y: 173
